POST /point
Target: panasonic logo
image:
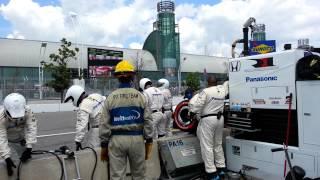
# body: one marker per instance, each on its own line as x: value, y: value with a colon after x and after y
x: 258, y: 79
x: 128, y: 118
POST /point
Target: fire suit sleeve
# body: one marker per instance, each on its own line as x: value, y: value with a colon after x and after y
x: 105, y: 126
x: 170, y: 98
x: 147, y: 99
x: 148, y: 127
x: 197, y: 103
x: 31, y: 128
x: 226, y: 87
x: 4, y: 147
x: 81, y: 125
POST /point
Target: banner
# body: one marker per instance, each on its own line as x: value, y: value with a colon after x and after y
x: 101, y: 62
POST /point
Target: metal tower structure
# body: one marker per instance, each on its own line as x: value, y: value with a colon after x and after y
x: 164, y: 42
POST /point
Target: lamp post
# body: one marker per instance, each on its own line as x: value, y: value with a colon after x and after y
x: 41, y: 78
x: 179, y: 75
x: 73, y: 17
x: 42, y: 52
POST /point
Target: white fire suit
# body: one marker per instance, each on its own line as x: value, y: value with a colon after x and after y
x: 126, y: 123
x: 167, y: 111
x: 210, y: 129
x: 89, y: 114
x: 155, y: 100
x: 17, y: 131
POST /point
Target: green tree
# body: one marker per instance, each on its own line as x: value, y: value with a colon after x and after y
x: 193, y: 81
x: 58, y: 66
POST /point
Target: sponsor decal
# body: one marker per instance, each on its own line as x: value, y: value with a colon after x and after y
x: 234, y: 66
x: 136, y: 115
x: 259, y: 101
x: 263, y: 62
x: 262, y: 47
x: 125, y: 96
x: 156, y: 95
x: 216, y: 99
x: 261, y: 79
x: 275, y: 102
x: 188, y: 152
x: 275, y: 98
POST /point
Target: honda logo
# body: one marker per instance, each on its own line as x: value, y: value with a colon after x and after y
x: 234, y: 66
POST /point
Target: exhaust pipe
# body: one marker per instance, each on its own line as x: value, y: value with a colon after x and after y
x: 245, y: 40
x: 234, y: 44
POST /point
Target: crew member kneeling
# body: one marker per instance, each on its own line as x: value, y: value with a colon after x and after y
x: 18, y: 129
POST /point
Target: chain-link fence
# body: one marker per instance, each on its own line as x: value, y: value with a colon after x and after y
x: 26, y: 81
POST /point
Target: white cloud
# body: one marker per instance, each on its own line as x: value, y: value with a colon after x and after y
x: 203, y: 29
x: 215, y: 27
x: 15, y: 35
x: 185, y: 10
x: 97, y: 22
x: 33, y: 21
x: 135, y: 45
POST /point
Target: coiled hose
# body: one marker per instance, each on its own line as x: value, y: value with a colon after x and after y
x: 39, y: 152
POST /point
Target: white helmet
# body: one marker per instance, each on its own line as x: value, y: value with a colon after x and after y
x: 14, y: 104
x: 74, y: 93
x: 163, y: 83
x: 143, y: 82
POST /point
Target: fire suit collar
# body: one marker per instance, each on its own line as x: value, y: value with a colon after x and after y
x: 125, y: 85
x: 14, y: 122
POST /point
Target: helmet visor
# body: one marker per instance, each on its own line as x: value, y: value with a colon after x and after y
x: 17, y: 113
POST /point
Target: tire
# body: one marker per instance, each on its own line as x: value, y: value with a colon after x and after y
x: 181, y: 121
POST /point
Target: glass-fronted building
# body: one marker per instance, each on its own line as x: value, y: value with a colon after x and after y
x: 20, y: 67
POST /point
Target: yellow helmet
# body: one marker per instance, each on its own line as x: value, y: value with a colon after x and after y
x: 124, y: 67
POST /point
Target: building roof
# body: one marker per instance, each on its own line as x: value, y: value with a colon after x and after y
x: 201, y: 63
x: 29, y: 53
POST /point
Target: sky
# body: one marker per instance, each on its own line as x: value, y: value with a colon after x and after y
x: 206, y: 27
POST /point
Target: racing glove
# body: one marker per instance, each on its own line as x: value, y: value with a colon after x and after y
x: 191, y: 114
x: 26, y: 155
x: 78, y: 146
x: 104, y: 152
x: 148, y: 148
x: 10, y: 165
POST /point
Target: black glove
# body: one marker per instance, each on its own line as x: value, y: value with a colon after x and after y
x: 191, y: 115
x: 78, y: 146
x: 10, y: 165
x: 26, y: 155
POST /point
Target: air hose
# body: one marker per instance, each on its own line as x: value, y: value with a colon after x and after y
x: 39, y: 152
x: 96, y: 160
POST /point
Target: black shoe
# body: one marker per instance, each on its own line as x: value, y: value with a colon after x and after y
x: 213, y: 176
x: 222, y: 172
x: 160, y: 136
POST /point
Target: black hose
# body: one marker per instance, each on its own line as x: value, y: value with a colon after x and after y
x: 196, y: 177
x: 96, y: 160
x: 39, y: 152
x: 18, y: 170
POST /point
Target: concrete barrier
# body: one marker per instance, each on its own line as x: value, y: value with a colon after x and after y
x: 49, y: 106
x: 52, y: 107
x: 48, y: 167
